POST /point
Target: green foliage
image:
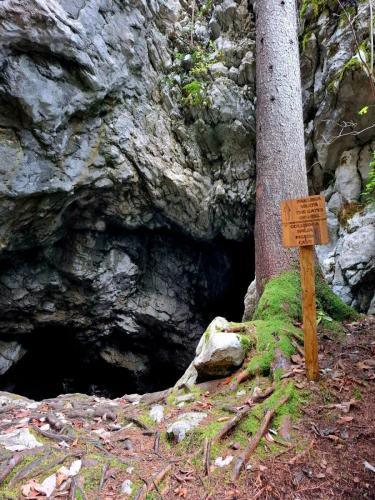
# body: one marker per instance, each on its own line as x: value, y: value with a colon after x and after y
x: 318, y: 6
x: 190, y: 70
x: 206, y: 8
x: 351, y: 65
x: 363, y: 111
x: 195, y: 94
x: 368, y: 194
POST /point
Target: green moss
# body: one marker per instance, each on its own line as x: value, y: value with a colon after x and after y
x: 357, y: 393
x: 246, y: 342
x: 305, y: 39
x: 281, y: 299
x: 318, y: 6
x: 271, y: 336
x: 351, y: 65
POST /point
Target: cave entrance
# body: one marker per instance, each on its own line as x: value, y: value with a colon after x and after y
x: 61, y: 360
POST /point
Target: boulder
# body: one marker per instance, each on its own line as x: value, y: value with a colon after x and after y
x: 218, y: 354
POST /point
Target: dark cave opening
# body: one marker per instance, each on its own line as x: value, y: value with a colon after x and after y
x: 60, y: 359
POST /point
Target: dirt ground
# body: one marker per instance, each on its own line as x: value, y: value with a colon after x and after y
x: 330, y: 453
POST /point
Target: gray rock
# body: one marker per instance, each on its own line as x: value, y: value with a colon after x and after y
x: 348, y: 180
x: 250, y: 302
x: 106, y: 230
x: 157, y: 413
x: 10, y: 353
x: 185, y: 423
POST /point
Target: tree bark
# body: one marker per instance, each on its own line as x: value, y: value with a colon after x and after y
x: 281, y: 165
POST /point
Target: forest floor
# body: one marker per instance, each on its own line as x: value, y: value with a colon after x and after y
x: 101, y: 449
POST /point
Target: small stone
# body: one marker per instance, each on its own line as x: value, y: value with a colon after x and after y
x: 127, y: 487
x: 128, y: 445
x: 157, y: 413
x: 185, y: 423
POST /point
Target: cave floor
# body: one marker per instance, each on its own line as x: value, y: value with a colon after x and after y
x: 116, y: 445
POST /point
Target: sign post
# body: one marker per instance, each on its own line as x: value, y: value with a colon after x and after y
x: 304, y: 223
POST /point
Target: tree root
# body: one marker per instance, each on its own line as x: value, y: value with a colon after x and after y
x: 102, y: 481
x: 153, y: 483
x: 239, y: 379
x: 302, y: 453
x: 27, y: 471
x: 242, y: 414
x: 138, y: 423
x: 157, y: 442
x: 7, y: 469
x: 53, y: 435
x: 254, y: 441
x: 207, y: 456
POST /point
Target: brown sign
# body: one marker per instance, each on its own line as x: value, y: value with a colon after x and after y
x: 304, y: 222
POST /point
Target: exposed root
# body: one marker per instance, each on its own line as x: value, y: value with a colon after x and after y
x: 239, y: 379
x: 153, y: 483
x: 102, y: 481
x: 12, y: 463
x: 207, y: 456
x: 224, y: 431
x: 27, y: 471
x: 157, y: 442
x: 52, y: 435
x: 302, y: 453
x: 254, y: 441
x: 138, y: 423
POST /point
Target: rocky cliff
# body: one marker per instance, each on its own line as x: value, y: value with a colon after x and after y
x: 127, y: 177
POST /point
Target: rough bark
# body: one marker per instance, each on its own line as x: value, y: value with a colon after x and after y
x: 281, y: 166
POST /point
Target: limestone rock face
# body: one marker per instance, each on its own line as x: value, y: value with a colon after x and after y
x: 348, y: 262
x: 121, y: 209
x: 339, y: 143
x: 125, y: 213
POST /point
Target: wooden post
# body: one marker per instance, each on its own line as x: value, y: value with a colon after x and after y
x: 304, y: 223
x: 309, y: 311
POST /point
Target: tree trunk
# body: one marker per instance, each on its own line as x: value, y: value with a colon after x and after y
x: 281, y: 165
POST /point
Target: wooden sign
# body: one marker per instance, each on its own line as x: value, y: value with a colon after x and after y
x: 304, y: 222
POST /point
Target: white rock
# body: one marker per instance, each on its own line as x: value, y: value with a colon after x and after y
x: 223, y: 462
x: 19, y: 440
x: 348, y: 180
x: 219, y: 353
x: 185, y: 423
x: 358, y: 247
x: 157, y: 413
x: 127, y: 487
